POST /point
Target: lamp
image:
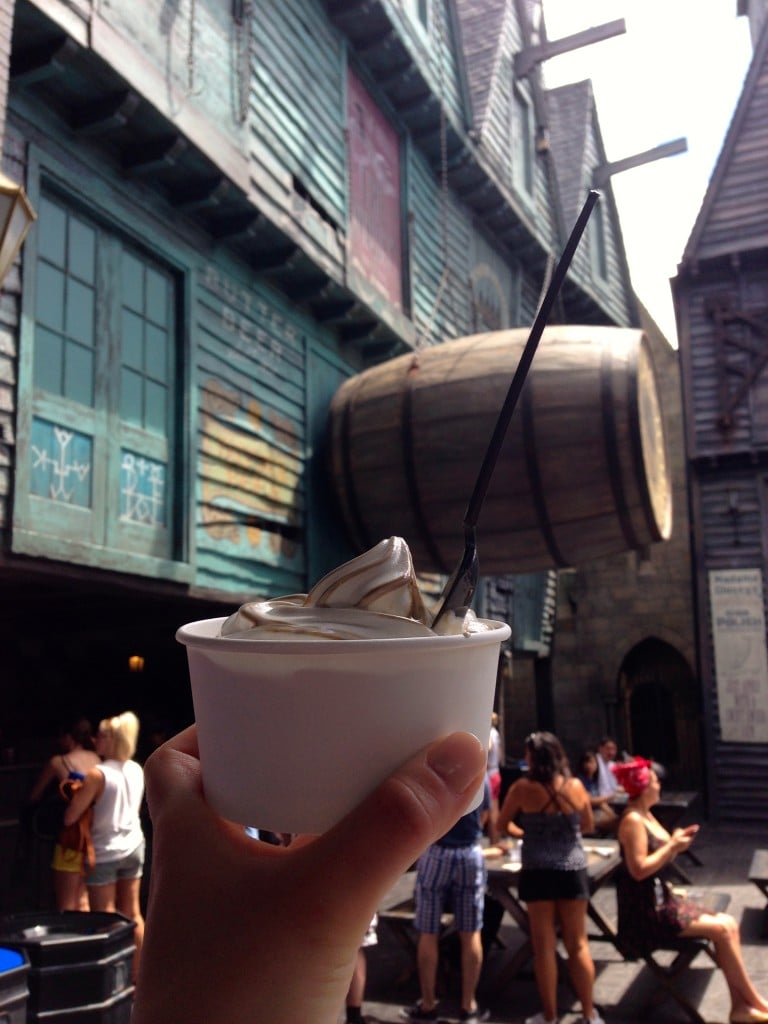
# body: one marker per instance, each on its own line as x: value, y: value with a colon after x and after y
x: 136, y: 663
x: 16, y: 217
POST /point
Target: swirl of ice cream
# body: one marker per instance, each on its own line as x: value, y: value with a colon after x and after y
x: 374, y: 595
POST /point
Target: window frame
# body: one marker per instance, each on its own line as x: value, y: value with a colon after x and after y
x: 66, y: 533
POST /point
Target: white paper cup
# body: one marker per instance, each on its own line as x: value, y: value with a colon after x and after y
x: 294, y: 733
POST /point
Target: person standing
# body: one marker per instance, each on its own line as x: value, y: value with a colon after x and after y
x: 353, y: 1004
x: 494, y: 775
x: 115, y: 788
x: 452, y: 869
x: 553, y: 809
x: 606, y: 757
x: 77, y: 757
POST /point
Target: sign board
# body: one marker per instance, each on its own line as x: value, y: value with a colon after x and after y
x: 741, y: 665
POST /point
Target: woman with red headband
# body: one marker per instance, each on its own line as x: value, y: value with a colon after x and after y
x: 651, y: 912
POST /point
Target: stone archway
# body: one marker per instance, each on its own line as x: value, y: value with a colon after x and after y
x: 660, y: 711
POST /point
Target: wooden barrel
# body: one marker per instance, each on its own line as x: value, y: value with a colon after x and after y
x: 583, y: 472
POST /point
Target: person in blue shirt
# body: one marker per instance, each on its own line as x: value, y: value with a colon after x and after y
x: 452, y: 873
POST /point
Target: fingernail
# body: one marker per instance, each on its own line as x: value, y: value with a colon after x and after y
x: 458, y: 759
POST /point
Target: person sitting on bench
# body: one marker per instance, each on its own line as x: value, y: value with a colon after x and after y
x: 650, y: 912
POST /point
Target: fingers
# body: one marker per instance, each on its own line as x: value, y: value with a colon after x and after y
x: 382, y: 838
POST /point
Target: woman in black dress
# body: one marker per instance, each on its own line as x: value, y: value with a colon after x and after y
x: 650, y: 911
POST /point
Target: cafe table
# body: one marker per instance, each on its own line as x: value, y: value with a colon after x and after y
x: 603, y: 860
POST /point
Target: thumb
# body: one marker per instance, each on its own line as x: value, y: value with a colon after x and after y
x: 368, y: 851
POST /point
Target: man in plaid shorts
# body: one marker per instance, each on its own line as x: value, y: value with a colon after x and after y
x: 451, y: 876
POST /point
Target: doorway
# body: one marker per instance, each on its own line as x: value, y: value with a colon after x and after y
x: 661, y: 715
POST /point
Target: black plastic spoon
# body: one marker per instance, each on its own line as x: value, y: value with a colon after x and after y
x: 462, y: 583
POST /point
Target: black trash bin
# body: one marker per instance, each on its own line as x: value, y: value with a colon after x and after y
x: 79, y: 964
x: 14, y: 993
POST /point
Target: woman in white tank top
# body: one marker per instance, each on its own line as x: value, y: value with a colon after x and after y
x: 115, y: 788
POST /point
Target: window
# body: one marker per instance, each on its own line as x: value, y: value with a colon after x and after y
x: 522, y: 142
x: 103, y: 427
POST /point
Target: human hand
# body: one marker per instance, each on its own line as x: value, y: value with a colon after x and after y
x: 683, y: 837
x: 239, y: 930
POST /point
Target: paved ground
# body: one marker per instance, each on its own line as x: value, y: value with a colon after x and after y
x: 622, y: 990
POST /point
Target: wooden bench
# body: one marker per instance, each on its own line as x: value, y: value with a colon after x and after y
x: 685, y: 949
x: 399, y: 919
x: 758, y: 873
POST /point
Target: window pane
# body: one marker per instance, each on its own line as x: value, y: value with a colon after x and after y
x: 51, y: 232
x: 142, y: 489
x: 157, y: 297
x: 155, y: 413
x: 156, y: 356
x: 130, y: 397
x: 49, y: 305
x: 49, y: 349
x: 133, y: 282
x: 132, y: 341
x: 61, y: 464
x: 82, y: 250
x: 80, y: 312
x: 78, y: 373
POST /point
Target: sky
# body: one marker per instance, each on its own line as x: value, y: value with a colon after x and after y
x: 676, y: 72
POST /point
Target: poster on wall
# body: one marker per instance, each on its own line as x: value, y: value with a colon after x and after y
x: 741, y: 664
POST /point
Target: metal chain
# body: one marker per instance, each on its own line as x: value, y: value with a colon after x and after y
x: 243, y: 19
x: 191, y: 48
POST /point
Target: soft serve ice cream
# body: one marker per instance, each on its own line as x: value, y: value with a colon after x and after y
x: 373, y: 595
x: 305, y: 703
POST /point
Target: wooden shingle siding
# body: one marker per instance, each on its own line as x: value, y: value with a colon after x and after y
x: 481, y: 23
x: 249, y: 369
x: 440, y: 266
x: 297, y: 99
x: 435, y: 53
x: 738, y: 221
x: 492, y: 77
x: 749, y: 425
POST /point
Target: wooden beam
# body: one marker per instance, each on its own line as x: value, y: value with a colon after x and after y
x: 237, y: 226
x: 106, y: 114
x: 527, y: 59
x: 201, y: 195
x: 605, y: 171
x: 155, y: 156
x: 40, y: 62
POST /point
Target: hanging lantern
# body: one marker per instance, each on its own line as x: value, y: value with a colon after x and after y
x: 136, y: 663
x: 16, y: 217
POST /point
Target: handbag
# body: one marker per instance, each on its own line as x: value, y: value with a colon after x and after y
x: 77, y: 836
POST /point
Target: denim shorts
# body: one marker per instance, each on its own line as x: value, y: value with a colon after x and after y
x: 124, y: 869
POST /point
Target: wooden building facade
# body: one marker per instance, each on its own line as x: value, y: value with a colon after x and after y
x: 239, y: 206
x: 721, y: 301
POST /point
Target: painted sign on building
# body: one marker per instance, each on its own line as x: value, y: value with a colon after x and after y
x: 375, y: 246
x: 741, y: 665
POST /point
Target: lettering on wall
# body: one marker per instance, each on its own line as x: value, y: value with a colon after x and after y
x: 741, y: 664
x: 250, y: 471
x: 251, y: 322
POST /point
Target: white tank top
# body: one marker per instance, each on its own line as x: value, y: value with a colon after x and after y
x: 116, y: 826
